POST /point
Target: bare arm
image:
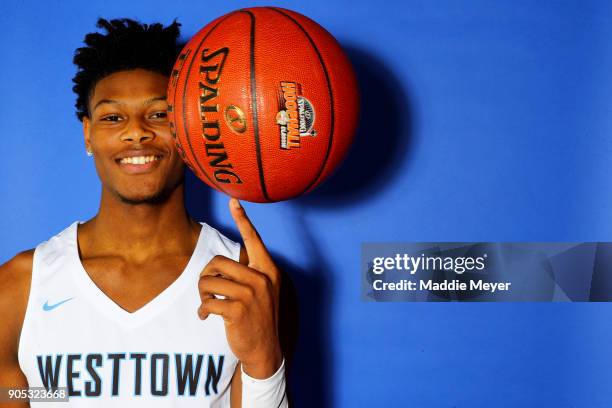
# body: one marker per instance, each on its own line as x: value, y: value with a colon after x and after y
x: 15, y: 278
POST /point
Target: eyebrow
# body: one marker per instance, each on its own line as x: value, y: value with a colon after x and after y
x: 103, y: 101
x: 147, y: 102
x: 154, y: 99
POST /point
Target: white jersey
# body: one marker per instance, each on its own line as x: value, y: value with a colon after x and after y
x: 162, y: 355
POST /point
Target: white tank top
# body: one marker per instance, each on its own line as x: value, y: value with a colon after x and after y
x: 162, y: 355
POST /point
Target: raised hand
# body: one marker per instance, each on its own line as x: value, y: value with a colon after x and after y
x: 251, y: 299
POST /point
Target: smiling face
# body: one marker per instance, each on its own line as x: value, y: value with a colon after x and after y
x: 128, y: 132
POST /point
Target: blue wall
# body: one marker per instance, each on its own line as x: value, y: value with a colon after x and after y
x: 494, y: 123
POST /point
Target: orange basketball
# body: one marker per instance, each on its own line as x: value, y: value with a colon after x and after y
x: 263, y: 104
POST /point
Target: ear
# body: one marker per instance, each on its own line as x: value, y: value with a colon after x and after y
x: 86, y: 132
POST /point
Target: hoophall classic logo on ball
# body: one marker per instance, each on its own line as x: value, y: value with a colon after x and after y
x: 297, y: 115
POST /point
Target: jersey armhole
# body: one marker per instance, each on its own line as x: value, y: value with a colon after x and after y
x: 25, y: 326
x: 232, y: 247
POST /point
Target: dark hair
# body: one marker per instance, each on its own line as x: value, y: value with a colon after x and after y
x: 127, y: 45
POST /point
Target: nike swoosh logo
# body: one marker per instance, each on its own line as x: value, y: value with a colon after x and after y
x: 47, y: 307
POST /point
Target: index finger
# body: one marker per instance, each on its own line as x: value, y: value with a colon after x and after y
x: 259, y: 258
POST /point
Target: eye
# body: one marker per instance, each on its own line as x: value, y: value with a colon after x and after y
x: 111, y: 118
x: 159, y: 115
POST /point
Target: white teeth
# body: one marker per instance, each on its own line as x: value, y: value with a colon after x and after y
x: 138, y: 159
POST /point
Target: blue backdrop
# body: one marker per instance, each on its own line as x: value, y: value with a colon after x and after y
x: 494, y: 123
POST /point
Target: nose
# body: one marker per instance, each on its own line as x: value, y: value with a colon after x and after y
x: 135, y: 132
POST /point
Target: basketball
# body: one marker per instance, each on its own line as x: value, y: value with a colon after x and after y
x: 263, y: 104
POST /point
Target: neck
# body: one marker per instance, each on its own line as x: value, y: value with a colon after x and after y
x: 138, y: 231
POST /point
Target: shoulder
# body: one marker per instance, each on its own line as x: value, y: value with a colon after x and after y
x: 16, y: 272
x: 15, y: 277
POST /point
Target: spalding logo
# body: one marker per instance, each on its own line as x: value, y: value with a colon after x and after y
x: 235, y: 119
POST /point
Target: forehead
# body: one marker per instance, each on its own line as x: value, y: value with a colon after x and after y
x: 134, y: 85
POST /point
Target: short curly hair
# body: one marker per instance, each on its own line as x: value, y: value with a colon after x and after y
x: 127, y: 45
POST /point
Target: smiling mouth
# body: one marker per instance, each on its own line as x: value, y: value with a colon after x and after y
x: 139, y: 160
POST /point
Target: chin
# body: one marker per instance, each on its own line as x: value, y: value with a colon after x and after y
x: 151, y: 197
x: 146, y: 192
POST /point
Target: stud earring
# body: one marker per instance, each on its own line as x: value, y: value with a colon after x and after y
x: 89, y: 153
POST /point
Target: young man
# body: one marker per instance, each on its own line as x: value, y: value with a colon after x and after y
x: 141, y: 305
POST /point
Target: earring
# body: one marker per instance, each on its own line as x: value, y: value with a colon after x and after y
x: 89, y: 153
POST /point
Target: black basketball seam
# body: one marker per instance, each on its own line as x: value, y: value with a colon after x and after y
x: 262, y: 180
x: 195, y: 53
x: 331, y: 97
